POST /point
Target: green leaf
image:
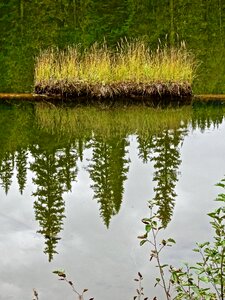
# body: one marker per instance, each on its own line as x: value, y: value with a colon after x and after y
x: 144, y: 236
x: 146, y: 220
x: 59, y: 272
x: 203, y: 244
x: 171, y: 240
x: 204, y: 279
x: 148, y: 227
x: 212, y: 215
x: 221, y: 197
x: 163, y: 266
x: 143, y: 242
x: 196, y: 250
x: 196, y: 290
x: 220, y: 184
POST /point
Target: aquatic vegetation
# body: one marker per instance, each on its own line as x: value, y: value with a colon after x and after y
x: 130, y: 69
x: 204, y: 280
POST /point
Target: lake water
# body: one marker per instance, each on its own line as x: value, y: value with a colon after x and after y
x: 77, y: 181
x: 80, y: 188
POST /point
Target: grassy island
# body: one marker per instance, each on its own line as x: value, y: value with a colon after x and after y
x: 132, y: 69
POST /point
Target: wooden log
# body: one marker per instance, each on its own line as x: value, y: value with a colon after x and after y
x: 154, y: 101
x: 210, y: 97
x: 26, y: 96
x: 44, y: 97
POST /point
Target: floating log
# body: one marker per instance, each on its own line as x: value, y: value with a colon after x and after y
x: 147, y: 100
x: 25, y: 96
x: 210, y: 97
x: 133, y: 99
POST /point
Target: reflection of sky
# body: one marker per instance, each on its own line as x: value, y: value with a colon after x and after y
x: 106, y: 261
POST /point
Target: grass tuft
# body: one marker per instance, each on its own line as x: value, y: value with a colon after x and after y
x: 131, y: 68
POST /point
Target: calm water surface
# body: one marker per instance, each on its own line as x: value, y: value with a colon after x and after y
x: 75, y: 183
x: 72, y: 195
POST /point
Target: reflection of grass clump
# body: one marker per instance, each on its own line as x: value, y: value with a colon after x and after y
x: 132, y: 68
x: 88, y: 120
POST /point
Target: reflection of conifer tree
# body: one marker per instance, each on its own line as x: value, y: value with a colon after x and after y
x: 21, y: 166
x: 145, y: 144
x: 68, y: 172
x: 6, y: 171
x: 206, y: 115
x: 108, y: 171
x: 54, y: 171
x: 80, y: 148
x: 166, y: 160
x: 163, y: 150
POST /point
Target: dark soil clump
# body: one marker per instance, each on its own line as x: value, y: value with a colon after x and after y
x: 119, y: 90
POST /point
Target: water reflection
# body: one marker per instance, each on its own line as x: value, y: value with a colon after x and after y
x: 21, y: 168
x: 54, y: 171
x: 51, y: 142
x: 166, y: 159
x: 108, y: 171
x: 206, y: 115
x: 6, y: 171
x: 163, y: 150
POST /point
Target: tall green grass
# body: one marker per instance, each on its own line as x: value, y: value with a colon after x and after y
x: 131, y: 62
